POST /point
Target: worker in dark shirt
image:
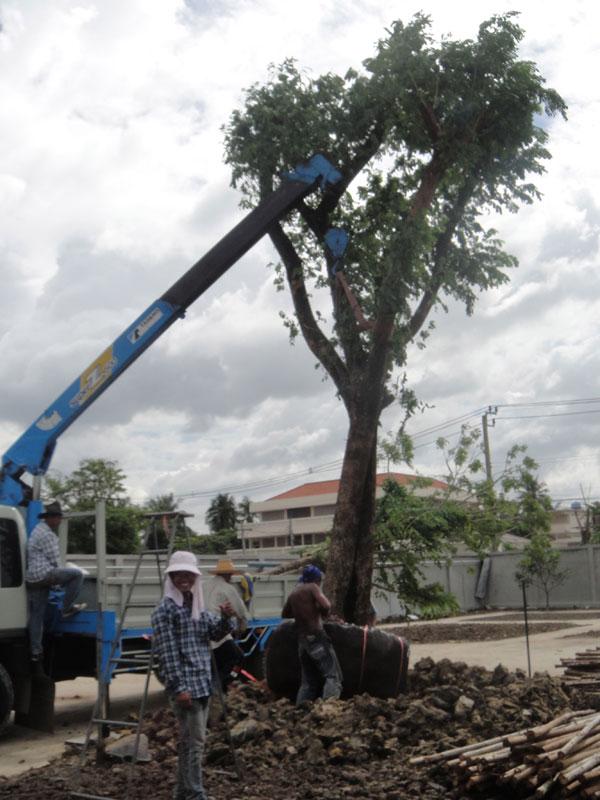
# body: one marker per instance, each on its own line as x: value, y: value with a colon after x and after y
x: 320, y: 671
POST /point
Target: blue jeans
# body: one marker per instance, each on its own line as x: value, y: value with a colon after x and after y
x: 192, y: 734
x: 321, y: 675
x: 70, y: 580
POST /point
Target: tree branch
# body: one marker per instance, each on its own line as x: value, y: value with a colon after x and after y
x: 318, y: 343
x: 441, y: 251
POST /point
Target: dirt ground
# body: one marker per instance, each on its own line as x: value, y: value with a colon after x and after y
x: 356, y: 748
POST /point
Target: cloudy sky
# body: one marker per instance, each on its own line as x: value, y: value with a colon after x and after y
x: 112, y: 184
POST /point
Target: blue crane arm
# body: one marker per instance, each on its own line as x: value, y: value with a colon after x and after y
x: 32, y: 452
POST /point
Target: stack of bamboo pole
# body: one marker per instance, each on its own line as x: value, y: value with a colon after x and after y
x: 558, y: 759
x: 582, y: 671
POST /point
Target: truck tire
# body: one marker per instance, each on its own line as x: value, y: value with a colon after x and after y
x: 7, y: 698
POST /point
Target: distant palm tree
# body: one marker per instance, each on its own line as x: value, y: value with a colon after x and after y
x: 243, y: 510
x: 222, y: 513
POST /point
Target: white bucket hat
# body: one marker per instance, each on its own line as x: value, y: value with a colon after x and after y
x: 183, y: 561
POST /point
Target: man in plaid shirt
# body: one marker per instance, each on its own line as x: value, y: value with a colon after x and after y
x: 44, y: 571
x: 182, y: 631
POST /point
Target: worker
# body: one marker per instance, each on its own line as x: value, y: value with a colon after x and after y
x: 44, y: 571
x: 182, y: 631
x: 219, y: 589
x: 321, y: 675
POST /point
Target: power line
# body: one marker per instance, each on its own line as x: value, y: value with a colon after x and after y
x: 558, y: 414
x: 576, y: 401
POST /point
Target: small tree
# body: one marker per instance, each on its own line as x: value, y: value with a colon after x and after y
x: 222, y: 514
x: 243, y: 511
x: 514, y: 501
x: 540, y: 565
x: 408, y: 531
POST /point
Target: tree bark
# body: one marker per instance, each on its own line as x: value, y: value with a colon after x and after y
x: 350, y: 560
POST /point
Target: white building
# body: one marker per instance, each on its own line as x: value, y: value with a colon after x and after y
x: 304, y: 515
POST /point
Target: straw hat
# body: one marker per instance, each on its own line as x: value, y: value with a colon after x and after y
x: 183, y: 561
x: 224, y: 567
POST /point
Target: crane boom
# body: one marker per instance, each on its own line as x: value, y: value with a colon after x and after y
x: 33, y: 450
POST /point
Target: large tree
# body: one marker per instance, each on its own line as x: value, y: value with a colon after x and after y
x: 429, y: 137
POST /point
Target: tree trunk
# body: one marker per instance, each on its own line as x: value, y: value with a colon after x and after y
x: 350, y: 562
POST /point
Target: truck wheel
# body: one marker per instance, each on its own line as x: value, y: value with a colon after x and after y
x: 7, y: 698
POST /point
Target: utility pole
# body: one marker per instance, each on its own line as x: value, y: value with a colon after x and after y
x: 486, y: 441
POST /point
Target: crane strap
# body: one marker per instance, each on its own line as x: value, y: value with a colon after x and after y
x: 363, y: 659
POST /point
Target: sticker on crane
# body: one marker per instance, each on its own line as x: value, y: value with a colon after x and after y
x: 94, y: 377
x: 48, y: 422
x: 145, y: 325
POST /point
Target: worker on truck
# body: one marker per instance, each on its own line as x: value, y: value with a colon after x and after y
x: 43, y: 572
x: 321, y: 675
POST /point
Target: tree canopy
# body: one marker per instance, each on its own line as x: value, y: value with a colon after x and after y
x: 429, y: 137
x: 222, y: 513
x: 98, y: 479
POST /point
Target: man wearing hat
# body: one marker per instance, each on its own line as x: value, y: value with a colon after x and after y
x: 182, y: 631
x: 43, y: 572
x: 219, y: 590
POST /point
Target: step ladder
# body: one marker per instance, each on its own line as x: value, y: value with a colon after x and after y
x: 131, y: 661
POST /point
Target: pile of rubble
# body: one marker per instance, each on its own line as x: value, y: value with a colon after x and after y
x: 334, y: 749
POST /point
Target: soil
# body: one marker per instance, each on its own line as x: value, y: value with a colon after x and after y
x: 333, y: 750
x: 475, y: 631
x: 330, y: 750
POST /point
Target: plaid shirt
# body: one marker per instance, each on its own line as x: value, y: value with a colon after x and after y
x: 182, y: 648
x: 43, y: 554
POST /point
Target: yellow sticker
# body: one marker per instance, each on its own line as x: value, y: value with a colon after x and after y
x: 94, y: 377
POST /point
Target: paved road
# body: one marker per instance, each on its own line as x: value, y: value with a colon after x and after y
x: 545, y: 649
x: 22, y: 749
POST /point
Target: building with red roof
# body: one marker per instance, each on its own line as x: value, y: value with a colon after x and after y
x: 304, y: 515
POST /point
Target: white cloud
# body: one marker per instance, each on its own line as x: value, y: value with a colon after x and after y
x: 112, y: 184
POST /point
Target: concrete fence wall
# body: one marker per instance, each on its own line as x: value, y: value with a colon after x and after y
x: 580, y: 589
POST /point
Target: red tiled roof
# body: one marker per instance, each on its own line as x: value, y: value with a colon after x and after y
x: 332, y: 487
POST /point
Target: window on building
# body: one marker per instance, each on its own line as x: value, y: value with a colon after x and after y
x: 297, y: 539
x: 320, y: 537
x: 298, y: 513
x: 324, y: 511
x: 268, y: 541
x: 272, y: 516
x: 11, y: 570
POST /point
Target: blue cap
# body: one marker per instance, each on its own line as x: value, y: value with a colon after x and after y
x: 311, y: 574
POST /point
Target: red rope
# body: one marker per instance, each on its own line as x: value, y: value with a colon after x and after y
x: 363, y: 661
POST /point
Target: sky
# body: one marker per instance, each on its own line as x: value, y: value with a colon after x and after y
x: 113, y: 183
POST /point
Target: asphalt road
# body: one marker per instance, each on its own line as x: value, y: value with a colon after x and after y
x: 22, y: 749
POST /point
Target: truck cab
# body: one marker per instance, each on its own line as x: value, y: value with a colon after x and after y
x: 13, y: 599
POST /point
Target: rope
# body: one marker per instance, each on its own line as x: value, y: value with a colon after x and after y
x: 400, y: 666
x: 362, y: 659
